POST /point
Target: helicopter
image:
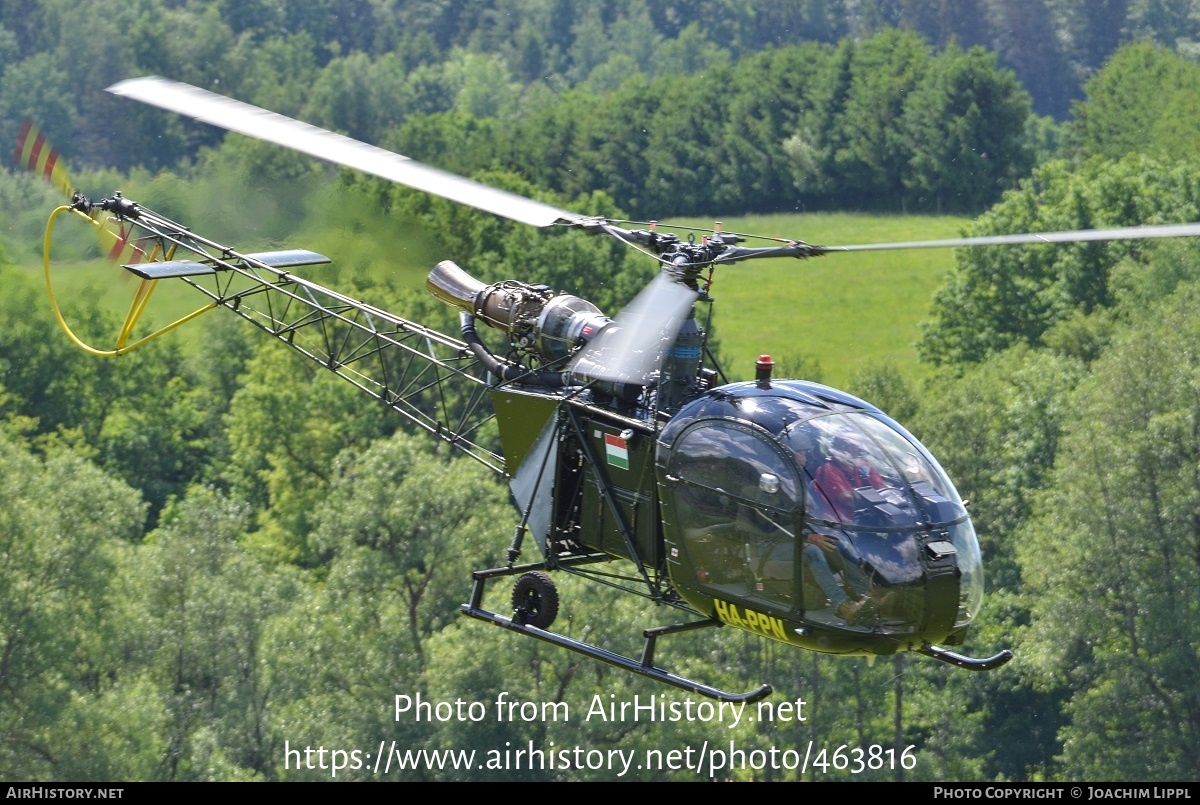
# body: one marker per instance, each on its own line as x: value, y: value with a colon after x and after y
x: 784, y: 508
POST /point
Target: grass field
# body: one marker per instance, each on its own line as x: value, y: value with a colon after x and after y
x: 843, y: 311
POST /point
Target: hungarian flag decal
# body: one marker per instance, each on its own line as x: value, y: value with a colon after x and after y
x: 617, y: 450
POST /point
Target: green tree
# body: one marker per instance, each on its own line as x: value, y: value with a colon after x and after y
x: 58, y: 514
x: 1091, y: 29
x: 966, y: 121
x: 1141, y: 102
x: 453, y: 141
x: 871, y: 152
x: 356, y: 95
x: 257, y: 18
x: 689, y: 52
x: 633, y: 35
x: 402, y: 528
x: 27, y: 21
x: 418, y: 519
x: 1024, y: 36
x: 996, y: 430
x: 611, y: 146
x: 485, y: 87
x: 997, y: 297
x: 282, y: 73
x: 1161, y: 20
x: 1111, y: 560
x: 543, y: 143
x: 336, y: 26
x: 590, y: 47
x: 853, y: 153
x: 772, y: 98
x: 945, y: 21
x: 685, y: 148
x: 884, y: 386
x: 141, y: 414
x: 195, y: 609
x: 37, y: 87
x: 286, y: 424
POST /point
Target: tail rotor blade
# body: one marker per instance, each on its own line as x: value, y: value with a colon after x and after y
x: 35, y: 154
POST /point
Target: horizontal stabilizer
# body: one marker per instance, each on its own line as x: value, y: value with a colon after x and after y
x: 171, y: 268
x: 289, y: 258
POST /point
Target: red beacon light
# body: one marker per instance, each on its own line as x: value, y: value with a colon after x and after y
x: 762, y: 371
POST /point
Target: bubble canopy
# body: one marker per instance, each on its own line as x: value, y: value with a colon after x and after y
x: 829, y: 500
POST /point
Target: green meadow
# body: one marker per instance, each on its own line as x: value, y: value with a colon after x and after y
x: 841, y: 311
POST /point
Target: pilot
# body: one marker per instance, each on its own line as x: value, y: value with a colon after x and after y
x: 819, y: 548
x: 844, y: 471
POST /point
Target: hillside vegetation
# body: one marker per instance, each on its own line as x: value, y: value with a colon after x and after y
x: 214, y: 552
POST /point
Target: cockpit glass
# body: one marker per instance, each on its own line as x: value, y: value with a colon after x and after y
x: 842, y: 516
x: 737, y: 501
x: 728, y: 459
x: 859, y: 470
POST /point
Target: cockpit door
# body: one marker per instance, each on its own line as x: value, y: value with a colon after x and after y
x: 736, y: 498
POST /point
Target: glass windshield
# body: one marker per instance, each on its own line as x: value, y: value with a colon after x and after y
x: 884, y: 516
x: 860, y: 471
x: 843, y: 516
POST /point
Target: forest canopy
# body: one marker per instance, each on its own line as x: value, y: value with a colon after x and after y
x: 669, y: 107
x: 214, y: 551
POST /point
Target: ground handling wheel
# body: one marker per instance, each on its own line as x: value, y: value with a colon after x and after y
x: 535, y: 600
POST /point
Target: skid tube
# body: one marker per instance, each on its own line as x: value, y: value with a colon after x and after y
x: 644, y: 667
x: 970, y: 663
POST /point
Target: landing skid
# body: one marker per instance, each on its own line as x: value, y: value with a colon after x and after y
x: 644, y: 666
x: 970, y: 663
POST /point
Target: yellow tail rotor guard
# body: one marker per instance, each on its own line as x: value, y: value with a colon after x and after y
x: 137, y: 306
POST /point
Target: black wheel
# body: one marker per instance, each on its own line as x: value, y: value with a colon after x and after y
x: 535, y: 600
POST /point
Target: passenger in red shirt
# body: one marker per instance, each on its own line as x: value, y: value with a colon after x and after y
x: 835, y: 482
x: 844, y: 471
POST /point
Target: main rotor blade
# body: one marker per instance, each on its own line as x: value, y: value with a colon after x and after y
x: 630, y: 349
x: 1077, y: 236
x: 261, y: 124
